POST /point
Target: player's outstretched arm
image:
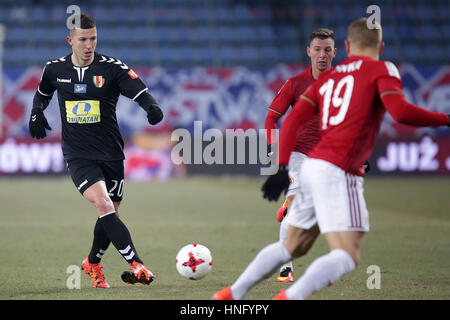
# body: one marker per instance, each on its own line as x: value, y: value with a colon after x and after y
x: 149, y: 104
x: 38, y: 123
x: 408, y: 113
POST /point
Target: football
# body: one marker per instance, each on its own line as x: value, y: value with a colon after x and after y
x: 194, y: 261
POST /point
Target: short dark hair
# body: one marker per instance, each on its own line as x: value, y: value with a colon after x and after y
x: 86, y: 21
x: 322, y: 33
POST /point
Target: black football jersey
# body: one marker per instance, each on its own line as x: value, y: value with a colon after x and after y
x: 87, y: 98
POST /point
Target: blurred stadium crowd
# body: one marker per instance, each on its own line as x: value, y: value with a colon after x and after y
x: 177, y: 33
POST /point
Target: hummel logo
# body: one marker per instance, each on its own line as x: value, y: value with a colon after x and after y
x: 33, y: 118
x: 82, y: 184
x: 64, y: 80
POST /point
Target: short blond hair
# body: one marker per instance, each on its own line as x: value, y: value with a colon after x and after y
x: 359, y: 34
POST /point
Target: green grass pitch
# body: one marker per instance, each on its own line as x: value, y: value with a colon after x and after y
x: 46, y: 226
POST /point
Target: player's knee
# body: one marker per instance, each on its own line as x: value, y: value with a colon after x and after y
x: 355, y: 255
x: 103, y: 205
x: 301, y: 250
x: 355, y: 258
x: 296, y: 250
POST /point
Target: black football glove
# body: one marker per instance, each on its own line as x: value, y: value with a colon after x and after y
x: 276, y: 184
x: 366, y: 167
x: 38, y: 123
x: 270, y: 152
x: 154, y: 114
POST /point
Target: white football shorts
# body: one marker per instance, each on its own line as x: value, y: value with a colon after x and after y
x: 295, y: 163
x: 330, y: 197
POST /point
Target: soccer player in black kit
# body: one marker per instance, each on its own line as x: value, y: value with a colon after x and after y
x: 88, y: 86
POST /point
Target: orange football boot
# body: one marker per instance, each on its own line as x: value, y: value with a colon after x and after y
x: 286, y: 275
x: 137, y: 273
x: 94, y: 270
x: 224, y: 294
x: 281, y: 296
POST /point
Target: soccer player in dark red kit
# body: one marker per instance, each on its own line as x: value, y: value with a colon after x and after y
x: 351, y: 101
x: 321, y: 52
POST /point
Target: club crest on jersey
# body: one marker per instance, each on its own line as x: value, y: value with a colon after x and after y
x: 99, y: 81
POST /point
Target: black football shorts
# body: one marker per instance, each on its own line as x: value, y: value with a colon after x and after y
x: 86, y: 172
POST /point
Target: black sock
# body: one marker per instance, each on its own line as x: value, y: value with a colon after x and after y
x: 120, y: 237
x: 99, y: 244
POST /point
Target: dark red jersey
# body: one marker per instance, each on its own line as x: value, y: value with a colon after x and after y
x: 351, y: 101
x: 287, y: 96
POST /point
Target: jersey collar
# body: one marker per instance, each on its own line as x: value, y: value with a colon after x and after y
x: 70, y: 64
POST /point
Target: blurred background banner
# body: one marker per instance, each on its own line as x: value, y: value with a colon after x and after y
x: 220, y: 62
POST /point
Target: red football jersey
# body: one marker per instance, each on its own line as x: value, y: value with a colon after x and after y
x: 351, y: 101
x: 308, y: 133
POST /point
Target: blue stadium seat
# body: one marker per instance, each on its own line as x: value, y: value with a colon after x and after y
x: 226, y: 33
x: 162, y: 33
x: 167, y: 54
x: 406, y: 32
x: 44, y: 53
x: 389, y: 33
x: 265, y: 32
x: 18, y: 55
x: 242, y: 13
x: 201, y: 33
x: 144, y: 55
x: 270, y: 53
x: 228, y: 53
x: 249, y: 54
x: 286, y: 32
x: 179, y: 33
x: 204, y: 54
x: 142, y: 33
x: 412, y: 53
x: 245, y: 33
x: 186, y: 54
x: 425, y: 11
x: 434, y: 54
x: 39, y: 14
x: 16, y: 34
x: 391, y: 52
x: 340, y: 34
x: 445, y: 31
x: 341, y: 55
x: 428, y: 31
x: 222, y: 14
x: 289, y: 54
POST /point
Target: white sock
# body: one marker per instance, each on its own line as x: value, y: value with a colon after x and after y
x: 264, y: 264
x: 284, y: 227
x: 322, y: 272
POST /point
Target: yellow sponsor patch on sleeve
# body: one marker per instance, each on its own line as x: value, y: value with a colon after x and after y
x: 86, y: 111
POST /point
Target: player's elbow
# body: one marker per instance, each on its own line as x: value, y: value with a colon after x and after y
x: 400, y: 117
x: 271, y: 119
